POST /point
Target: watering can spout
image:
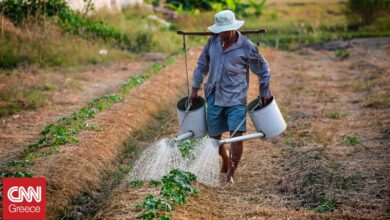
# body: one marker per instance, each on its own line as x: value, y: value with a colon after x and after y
x: 241, y: 138
x: 184, y: 136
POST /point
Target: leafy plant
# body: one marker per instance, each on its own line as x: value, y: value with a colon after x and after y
x: 237, y: 6
x: 19, y: 173
x: 350, y: 140
x: 176, y: 186
x: 325, y: 205
x: 258, y: 7
x: 154, y: 208
x: 154, y: 183
x: 187, y: 146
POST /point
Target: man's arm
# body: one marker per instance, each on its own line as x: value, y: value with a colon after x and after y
x: 259, y: 66
x: 201, y: 70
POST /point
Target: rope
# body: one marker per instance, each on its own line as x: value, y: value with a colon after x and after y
x: 185, y: 58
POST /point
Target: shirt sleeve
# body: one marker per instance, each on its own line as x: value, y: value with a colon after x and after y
x: 259, y: 66
x: 202, y: 67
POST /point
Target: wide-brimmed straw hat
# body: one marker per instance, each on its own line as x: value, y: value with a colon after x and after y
x: 225, y: 21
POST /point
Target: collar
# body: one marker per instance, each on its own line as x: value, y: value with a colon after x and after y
x: 241, y: 39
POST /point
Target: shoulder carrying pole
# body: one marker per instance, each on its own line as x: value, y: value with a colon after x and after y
x: 211, y: 33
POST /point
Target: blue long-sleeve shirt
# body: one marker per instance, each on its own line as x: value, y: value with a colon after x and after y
x: 228, y: 71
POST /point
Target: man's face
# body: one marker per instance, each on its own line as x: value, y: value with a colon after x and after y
x: 226, y: 35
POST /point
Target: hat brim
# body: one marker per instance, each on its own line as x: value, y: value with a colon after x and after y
x: 230, y: 27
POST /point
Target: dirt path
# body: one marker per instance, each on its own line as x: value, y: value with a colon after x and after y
x: 333, y: 156
x: 77, y: 88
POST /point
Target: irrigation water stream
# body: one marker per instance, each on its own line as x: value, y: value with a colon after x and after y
x: 164, y: 155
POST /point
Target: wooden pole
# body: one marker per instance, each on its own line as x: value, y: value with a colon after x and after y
x: 211, y: 33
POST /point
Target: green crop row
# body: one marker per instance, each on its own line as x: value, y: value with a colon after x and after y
x: 65, y: 130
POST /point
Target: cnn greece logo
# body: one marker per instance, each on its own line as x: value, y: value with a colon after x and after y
x: 28, y: 194
x: 24, y: 198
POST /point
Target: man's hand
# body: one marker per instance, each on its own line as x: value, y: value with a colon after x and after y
x: 194, y: 94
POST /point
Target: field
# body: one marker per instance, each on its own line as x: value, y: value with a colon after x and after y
x: 83, y: 125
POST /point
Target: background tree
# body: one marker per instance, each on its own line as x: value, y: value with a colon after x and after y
x: 367, y: 11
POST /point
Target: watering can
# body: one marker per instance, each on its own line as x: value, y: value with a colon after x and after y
x: 268, y: 120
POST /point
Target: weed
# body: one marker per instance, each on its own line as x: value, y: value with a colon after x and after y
x: 334, y: 114
x: 321, y: 77
x: 136, y: 183
x: 379, y: 99
x: 296, y: 89
x: 47, y: 86
x: 342, y: 54
x: 349, y: 140
x: 154, y: 183
x: 18, y: 98
x: 325, y: 205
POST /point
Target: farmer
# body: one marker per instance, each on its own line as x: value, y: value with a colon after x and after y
x: 226, y: 59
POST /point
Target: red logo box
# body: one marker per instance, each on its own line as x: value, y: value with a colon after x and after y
x: 24, y: 198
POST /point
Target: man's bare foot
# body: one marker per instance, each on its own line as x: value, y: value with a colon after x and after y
x: 230, y: 177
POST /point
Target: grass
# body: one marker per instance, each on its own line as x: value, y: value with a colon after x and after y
x: 342, y: 54
x: 317, y: 182
x: 140, y: 20
x: 48, y: 46
x: 18, y: 98
x: 333, y: 114
x: 292, y: 26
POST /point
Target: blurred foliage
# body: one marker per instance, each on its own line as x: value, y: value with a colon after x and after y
x: 238, y: 6
x: 21, y: 11
x: 367, y: 11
